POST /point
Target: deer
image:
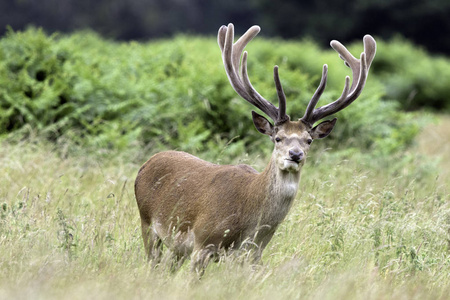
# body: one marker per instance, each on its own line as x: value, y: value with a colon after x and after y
x: 196, y: 208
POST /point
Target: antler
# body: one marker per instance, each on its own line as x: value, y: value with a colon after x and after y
x: 231, y: 54
x: 360, y: 69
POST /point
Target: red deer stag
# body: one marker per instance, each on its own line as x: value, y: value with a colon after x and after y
x: 195, y: 207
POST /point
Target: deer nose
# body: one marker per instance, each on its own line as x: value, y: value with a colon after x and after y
x: 296, y: 154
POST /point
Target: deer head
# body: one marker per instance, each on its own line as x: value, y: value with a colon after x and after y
x: 292, y: 138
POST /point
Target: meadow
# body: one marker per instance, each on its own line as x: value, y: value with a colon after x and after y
x: 371, y: 219
x: 358, y: 228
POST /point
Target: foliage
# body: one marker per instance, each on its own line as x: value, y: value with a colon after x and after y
x: 413, y: 77
x: 174, y: 93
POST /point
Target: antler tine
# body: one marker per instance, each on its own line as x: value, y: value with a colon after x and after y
x: 360, y: 70
x: 370, y: 48
x: 231, y: 54
x: 315, y: 98
x: 282, y: 117
x: 349, y: 59
x: 256, y: 98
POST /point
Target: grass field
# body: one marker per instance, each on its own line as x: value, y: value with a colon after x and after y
x: 362, y: 227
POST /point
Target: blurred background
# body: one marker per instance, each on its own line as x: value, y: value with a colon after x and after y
x: 424, y: 22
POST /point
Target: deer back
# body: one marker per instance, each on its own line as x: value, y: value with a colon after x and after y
x: 180, y: 191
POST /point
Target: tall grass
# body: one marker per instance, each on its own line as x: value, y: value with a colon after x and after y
x: 361, y: 227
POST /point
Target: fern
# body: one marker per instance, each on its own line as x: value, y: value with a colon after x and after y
x: 174, y: 93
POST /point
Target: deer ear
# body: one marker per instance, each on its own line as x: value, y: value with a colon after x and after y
x: 262, y: 124
x: 323, y: 129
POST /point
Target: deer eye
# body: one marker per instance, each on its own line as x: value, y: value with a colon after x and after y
x: 277, y: 139
x: 309, y: 141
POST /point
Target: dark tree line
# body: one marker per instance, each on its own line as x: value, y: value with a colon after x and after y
x: 425, y: 22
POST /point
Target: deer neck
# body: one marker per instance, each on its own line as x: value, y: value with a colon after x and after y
x: 282, y: 185
x: 280, y: 189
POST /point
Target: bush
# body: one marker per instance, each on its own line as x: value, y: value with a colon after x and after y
x: 173, y: 93
x: 413, y: 77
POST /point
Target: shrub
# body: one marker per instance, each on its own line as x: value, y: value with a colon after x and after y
x: 412, y: 76
x: 173, y: 93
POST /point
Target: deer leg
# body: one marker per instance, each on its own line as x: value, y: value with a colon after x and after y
x: 256, y: 246
x: 152, y: 243
x: 201, y: 258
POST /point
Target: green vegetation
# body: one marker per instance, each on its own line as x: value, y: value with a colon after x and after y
x: 175, y: 94
x: 413, y: 77
x: 79, y: 115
